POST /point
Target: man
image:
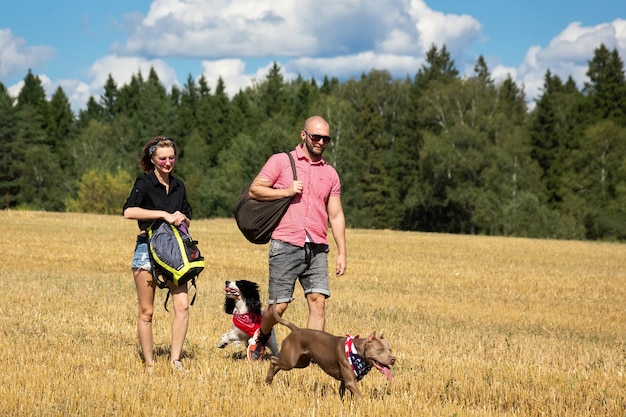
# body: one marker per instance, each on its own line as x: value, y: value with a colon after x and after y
x: 299, y: 246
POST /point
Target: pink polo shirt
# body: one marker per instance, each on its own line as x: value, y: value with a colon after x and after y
x: 307, y: 211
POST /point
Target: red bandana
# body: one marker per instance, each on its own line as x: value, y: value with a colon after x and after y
x: 247, y: 323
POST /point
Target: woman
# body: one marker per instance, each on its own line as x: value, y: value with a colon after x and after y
x: 157, y: 195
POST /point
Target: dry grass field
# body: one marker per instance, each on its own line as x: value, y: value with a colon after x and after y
x: 480, y: 326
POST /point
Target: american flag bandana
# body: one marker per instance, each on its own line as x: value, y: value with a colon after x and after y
x: 358, y: 364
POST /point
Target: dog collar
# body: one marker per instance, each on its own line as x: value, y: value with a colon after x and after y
x: 357, y: 363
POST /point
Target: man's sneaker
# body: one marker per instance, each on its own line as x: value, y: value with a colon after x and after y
x: 178, y: 366
x: 256, y: 346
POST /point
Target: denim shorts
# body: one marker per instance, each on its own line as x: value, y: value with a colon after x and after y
x: 141, y: 257
x: 289, y: 263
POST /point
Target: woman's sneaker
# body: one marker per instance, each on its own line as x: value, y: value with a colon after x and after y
x: 178, y: 366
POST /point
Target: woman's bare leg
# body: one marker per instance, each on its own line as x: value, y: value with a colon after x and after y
x: 180, y: 299
x: 145, y: 302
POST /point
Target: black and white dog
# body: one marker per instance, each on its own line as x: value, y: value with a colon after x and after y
x: 244, y: 303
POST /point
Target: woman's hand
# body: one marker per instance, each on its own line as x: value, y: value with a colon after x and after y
x: 177, y: 218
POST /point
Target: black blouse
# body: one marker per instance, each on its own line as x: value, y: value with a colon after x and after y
x: 149, y: 193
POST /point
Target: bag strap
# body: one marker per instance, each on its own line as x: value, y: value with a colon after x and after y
x: 293, y: 166
x: 193, y: 300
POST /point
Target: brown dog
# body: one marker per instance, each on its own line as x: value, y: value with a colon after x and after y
x: 346, y: 359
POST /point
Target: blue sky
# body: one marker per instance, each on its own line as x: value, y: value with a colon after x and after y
x: 76, y: 44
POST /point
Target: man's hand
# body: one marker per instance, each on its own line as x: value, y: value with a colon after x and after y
x: 341, y: 265
x: 296, y: 187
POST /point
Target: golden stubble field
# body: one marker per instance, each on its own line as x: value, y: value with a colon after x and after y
x: 480, y: 326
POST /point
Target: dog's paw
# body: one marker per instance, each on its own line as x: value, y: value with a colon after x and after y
x: 224, y: 342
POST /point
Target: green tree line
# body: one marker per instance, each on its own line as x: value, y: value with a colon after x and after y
x: 435, y: 152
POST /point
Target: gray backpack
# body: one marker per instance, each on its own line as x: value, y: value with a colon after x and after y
x: 175, y: 256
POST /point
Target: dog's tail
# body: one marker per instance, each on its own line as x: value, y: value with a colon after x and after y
x: 281, y: 320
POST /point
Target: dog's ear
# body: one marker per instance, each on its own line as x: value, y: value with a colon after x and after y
x: 254, y: 305
x: 250, y: 293
x: 248, y: 289
x: 371, y: 336
x: 229, y: 305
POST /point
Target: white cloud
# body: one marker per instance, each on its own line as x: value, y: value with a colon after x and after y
x: 122, y: 68
x: 232, y: 72
x: 77, y: 92
x: 458, y: 32
x: 569, y: 53
x: 222, y: 29
x: 500, y: 73
x: 15, y: 89
x: 313, y: 38
x: 620, y: 34
x: 396, y: 42
x: 260, y: 28
x: 576, y: 41
x: 353, y: 65
x: 16, y: 55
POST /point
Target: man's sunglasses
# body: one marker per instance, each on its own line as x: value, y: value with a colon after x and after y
x: 317, y: 138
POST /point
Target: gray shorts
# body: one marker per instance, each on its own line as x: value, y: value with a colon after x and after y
x: 289, y: 263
